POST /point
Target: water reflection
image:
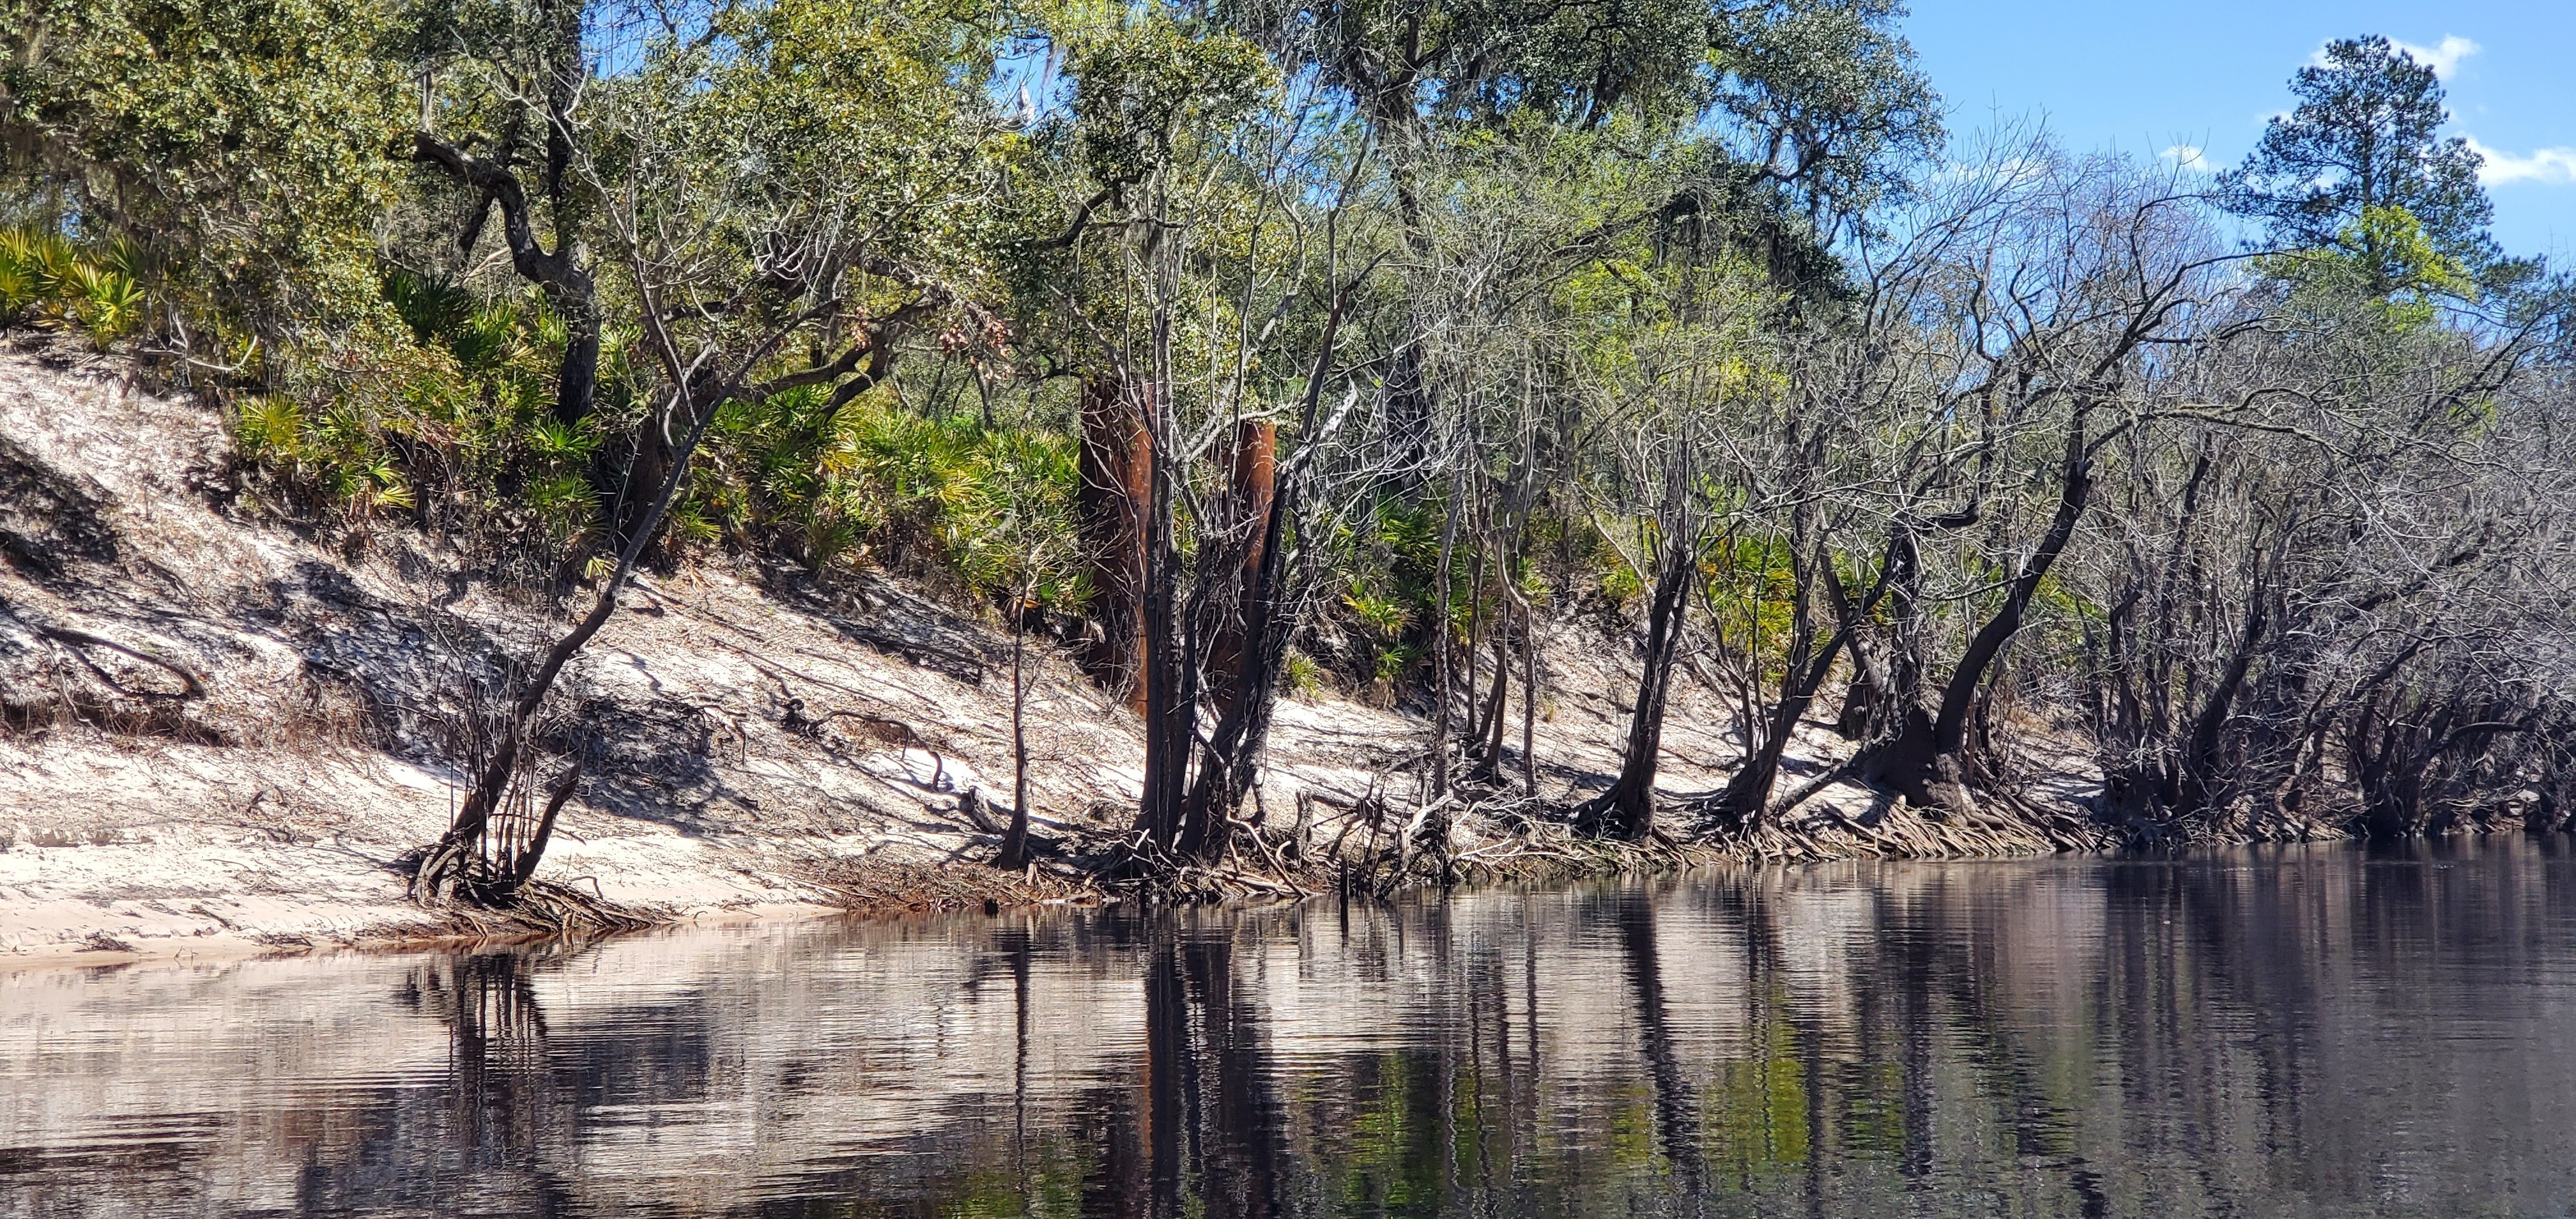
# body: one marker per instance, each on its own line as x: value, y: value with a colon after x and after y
x: 2285, y: 1032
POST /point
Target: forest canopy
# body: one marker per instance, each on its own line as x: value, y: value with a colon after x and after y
x: 1274, y: 342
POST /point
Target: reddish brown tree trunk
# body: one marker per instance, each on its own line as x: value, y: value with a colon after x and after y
x: 1249, y: 495
x: 1117, y: 468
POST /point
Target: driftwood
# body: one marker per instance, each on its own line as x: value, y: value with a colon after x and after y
x: 796, y: 720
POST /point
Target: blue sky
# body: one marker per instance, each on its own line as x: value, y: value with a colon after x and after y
x: 2205, y: 74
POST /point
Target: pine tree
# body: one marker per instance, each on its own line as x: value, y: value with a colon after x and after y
x: 2365, y: 137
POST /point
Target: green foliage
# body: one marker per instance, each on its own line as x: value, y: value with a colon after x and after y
x: 852, y: 116
x: 338, y: 452
x: 991, y: 507
x: 446, y: 413
x: 1381, y: 615
x: 1823, y: 97
x: 1751, y: 589
x: 107, y: 303
x: 1141, y: 84
x: 2386, y: 257
x: 430, y: 307
x: 1622, y: 583
x: 1389, y: 571
x: 243, y: 141
x: 2364, y: 138
x: 1301, y: 676
x: 1819, y: 100
x: 47, y: 280
x: 1467, y: 61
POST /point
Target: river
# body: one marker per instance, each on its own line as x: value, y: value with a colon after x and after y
x: 2319, y: 1030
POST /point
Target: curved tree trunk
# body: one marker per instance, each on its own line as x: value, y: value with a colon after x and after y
x: 1627, y: 810
x: 1925, y: 758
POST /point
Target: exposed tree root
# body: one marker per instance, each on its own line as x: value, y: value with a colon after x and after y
x: 545, y: 909
x: 871, y: 887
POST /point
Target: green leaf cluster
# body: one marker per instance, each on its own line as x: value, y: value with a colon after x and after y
x: 990, y: 506
x: 46, y: 280
x: 444, y: 413
x: 243, y: 141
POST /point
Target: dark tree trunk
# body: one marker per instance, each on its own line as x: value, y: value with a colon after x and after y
x: 1529, y: 699
x: 1226, y: 764
x: 1014, y: 854
x: 2202, y: 784
x: 1489, y: 728
x: 1627, y: 810
x: 1748, y: 791
x: 1172, y: 648
x: 567, y: 284
x: 443, y: 868
x: 1925, y: 758
x: 696, y: 400
x: 1185, y: 815
x: 1803, y: 668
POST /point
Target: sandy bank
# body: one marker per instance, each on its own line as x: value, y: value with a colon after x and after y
x: 222, y: 730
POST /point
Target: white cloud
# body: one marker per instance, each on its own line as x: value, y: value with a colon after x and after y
x: 2184, y: 156
x: 2443, y: 57
x: 2551, y: 165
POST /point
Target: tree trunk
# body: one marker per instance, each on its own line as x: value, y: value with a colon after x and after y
x: 559, y: 273
x: 443, y: 868
x: 2201, y: 782
x: 1489, y: 729
x: 1014, y: 854
x: 1250, y: 492
x: 1802, y: 673
x: 1529, y: 698
x: 1443, y: 654
x: 1627, y: 810
x: 1748, y: 792
x: 1925, y: 759
x: 1116, y: 464
x: 1170, y: 669
x: 1186, y: 812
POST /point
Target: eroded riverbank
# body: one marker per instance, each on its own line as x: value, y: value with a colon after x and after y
x: 224, y: 732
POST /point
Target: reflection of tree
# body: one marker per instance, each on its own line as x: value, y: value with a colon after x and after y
x: 1676, y: 1108
x: 1169, y: 1075
x: 1014, y: 945
x: 1218, y: 1133
x: 493, y: 1137
x: 496, y: 1028
x: 503, y: 1097
x: 1203, y: 1132
x: 2112, y: 1038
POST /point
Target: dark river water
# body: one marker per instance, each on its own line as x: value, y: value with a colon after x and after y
x: 2319, y: 1031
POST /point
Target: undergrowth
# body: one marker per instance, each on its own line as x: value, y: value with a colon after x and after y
x: 49, y: 281
x: 442, y: 414
x: 987, y: 506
